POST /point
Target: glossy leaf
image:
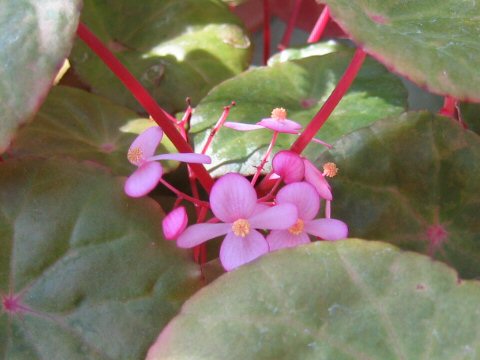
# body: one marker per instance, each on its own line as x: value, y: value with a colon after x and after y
x: 301, y: 87
x: 91, y: 274
x: 413, y: 181
x: 433, y: 43
x: 316, y: 49
x: 349, y: 299
x: 176, y: 48
x: 35, y: 38
x: 84, y: 126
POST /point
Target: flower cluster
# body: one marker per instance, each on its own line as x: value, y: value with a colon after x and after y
x: 251, y: 226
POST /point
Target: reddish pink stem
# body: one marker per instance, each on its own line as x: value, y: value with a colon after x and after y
x: 266, y: 31
x: 144, y: 98
x: 183, y: 195
x: 320, y: 25
x: 218, y: 125
x: 449, y: 107
x: 265, y: 158
x: 319, y: 119
x: 287, y: 35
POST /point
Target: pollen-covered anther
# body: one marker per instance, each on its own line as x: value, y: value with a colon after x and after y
x: 135, y: 155
x: 297, y: 228
x: 330, y: 169
x: 279, y: 113
x: 241, y: 227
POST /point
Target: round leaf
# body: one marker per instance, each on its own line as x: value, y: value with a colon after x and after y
x: 433, y: 43
x: 176, y: 48
x: 340, y: 300
x: 35, y: 37
x: 413, y: 181
x: 84, y: 270
x: 83, y: 126
x: 301, y: 87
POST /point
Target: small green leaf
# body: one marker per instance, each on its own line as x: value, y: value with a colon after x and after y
x: 35, y: 37
x: 93, y: 275
x: 301, y: 87
x: 84, y: 126
x: 342, y: 300
x: 433, y: 43
x: 412, y: 181
x: 176, y: 48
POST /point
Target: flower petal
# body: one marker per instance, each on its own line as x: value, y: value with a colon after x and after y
x: 278, y: 217
x: 242, y: 126
x: 175, y: 223
x: 281, y: 125
x: 185, y: 157
x: 199, y: 233
x: 144, y: 145
x: 232, y: 198
x: 280, y: 239
x: 236, y: 251
x: 316, y: 178
x: 303, y: 196
x: 327, y: 229
x: 288, y: 165
x: 144, y: 179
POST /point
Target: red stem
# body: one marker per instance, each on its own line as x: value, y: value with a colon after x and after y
x: 218, y: 125
x: 183, y: 195
x: 290, y: 26
x: 144, y: 98
x: 449, y: 107
x: 265, y: 158
x: 320, y: 25
x: 337, y: 94
x: 266, y: 31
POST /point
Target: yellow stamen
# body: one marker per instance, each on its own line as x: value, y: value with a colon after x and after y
x: 135, y: 155
x: 297, y: 228
x: 330, y: 169
x: 279, y: 113
x: 241, y: 227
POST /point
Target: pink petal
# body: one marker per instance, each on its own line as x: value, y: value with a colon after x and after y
x: 175, y: 223
x: 144, y: 179
x: 185, y: 157
x: 288, y: 165
x: 327, y: 229
x: 232, y: 198
x: 147, y: 142
x: 278, y: 217
x: 280, y: 125
x: 236, y: 251
x: 199, y: 233
x: 242, y: 126
x: 280, y: 239
x: 316, y: 178
x: 303, y: 196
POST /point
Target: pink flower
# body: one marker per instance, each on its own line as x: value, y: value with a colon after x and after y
x: 175, y: 223
x: 141, y: 154
x: 289, y: 166
x: 316, y: 178
x: 234, y: 201
x: 277, y: 122
x: 305, y: 198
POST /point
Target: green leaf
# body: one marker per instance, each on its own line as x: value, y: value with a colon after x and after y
x: 412, y: 181
x: 35, y: 37
x: 176, y: 48
x: 301, y: 87
x: 342, y: 300
x: 84, y: 126
x: 316, y: 49
x: 433, y: 43
x: 89, y: 266
x: 471, y: 115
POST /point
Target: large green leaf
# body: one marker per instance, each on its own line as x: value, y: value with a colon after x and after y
x: 176, y: 48
x: 89, y: 266
x: 433, y: 43
x: 413, y: 181
x: 300, y: 86
x: 344, y: 300
x: 35, y: 38
x: 471, y: 115
x: 83, y: 126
